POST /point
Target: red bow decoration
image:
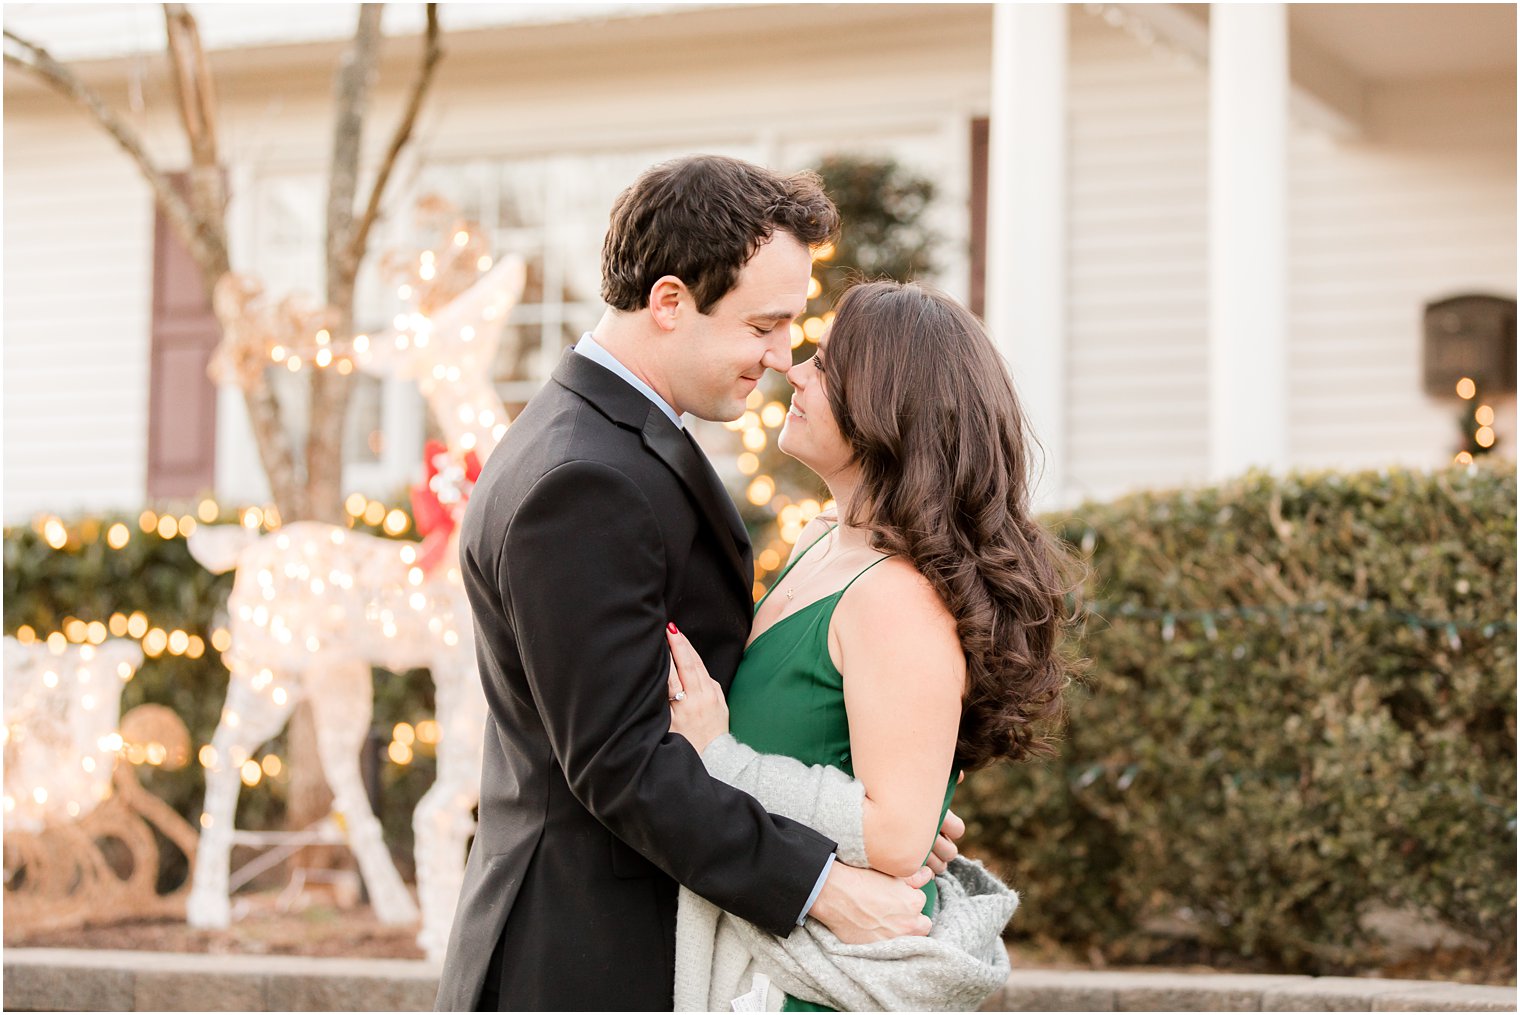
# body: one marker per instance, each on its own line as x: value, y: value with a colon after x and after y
x: 438, y: 501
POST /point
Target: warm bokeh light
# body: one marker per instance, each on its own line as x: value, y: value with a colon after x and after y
x: 1466, y: 388
x: 155, y: 641
x: 1463, y: 458
x: 404, y: 734
x: 208, y: 510
x: 754, y: 440
x: 355, y: 504
x: 251, y: 772
x: 748, y: 464
x: 396, y: 522
x: 1484, y: 414
x: 117, y: 536
x: 374, y: 513
x: 773, y: 414
x: 1484, y: 436
x: 761, y: 490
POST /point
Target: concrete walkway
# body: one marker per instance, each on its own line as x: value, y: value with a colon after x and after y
x: 61, y: 979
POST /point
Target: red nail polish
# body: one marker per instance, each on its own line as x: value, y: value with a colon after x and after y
x: 671, y: 627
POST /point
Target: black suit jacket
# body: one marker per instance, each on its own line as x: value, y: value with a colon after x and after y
x: 595, y: 522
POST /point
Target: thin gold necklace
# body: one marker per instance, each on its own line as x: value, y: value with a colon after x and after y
x: 791, y: 590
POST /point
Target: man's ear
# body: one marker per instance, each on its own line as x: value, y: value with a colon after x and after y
x: 665, y: 299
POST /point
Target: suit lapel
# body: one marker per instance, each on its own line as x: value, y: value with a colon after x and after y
x: 672, y: 446
x: 626, y: 407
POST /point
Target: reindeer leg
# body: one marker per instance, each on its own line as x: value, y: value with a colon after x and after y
x: 250, y: 716
x: 341, y: 692
x: 442, y: 822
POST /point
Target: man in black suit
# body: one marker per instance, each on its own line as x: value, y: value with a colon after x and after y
x: 595, y: 522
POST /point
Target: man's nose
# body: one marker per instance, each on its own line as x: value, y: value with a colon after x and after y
x: 778, y: 356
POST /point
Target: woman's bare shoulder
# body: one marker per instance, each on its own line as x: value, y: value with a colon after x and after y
x: 894, y: 603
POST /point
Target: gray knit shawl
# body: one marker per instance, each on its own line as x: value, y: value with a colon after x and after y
x: 955, y: 968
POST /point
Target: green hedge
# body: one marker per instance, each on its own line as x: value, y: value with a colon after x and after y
x: 1300, y: 704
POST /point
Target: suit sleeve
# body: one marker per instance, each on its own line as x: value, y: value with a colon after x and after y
x: 584, y: 568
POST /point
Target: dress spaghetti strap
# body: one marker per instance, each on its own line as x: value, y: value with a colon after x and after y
x: 868, y: 567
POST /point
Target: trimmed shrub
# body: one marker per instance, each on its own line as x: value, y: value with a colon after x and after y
x: 1300, y: 706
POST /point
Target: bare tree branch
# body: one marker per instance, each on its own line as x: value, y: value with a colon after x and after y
x: 191, y: 74
x: 32, y: 58
x: 352, y: 95
x: 329, y: 390
x: 431, y: 54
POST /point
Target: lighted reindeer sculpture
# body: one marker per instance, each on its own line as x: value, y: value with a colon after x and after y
x: 314, y: 606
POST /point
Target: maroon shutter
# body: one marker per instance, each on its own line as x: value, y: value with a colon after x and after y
x: 182, y: 399
x: 979, y: 215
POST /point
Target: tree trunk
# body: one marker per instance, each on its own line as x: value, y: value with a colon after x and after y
x: 329, y: 392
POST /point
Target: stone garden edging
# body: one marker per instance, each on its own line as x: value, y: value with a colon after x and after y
x: 61, y: 979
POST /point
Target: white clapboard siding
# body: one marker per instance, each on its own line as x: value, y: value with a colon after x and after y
x: 1421, y: 208
x: 78, y: 304
x: 1137, y: 266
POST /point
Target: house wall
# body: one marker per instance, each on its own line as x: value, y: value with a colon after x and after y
x: 77, y: 316
x: 1422, y: 205
x: 1421, y: 208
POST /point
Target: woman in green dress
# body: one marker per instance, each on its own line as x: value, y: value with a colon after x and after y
x: 914, y: 633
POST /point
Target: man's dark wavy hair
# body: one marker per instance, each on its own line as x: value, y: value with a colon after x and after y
x: 701, y: 218
x: 932, y: 419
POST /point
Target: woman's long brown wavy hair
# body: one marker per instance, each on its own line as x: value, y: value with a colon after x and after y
x: 932, y: 419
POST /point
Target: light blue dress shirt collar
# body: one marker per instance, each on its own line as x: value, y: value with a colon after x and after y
x: 592, y: 350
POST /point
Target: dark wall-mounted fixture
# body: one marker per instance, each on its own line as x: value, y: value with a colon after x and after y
x: 1473, y: 337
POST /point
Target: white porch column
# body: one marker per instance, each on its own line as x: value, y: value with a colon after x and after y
x: 1026, y: 221
x: 1248, y: 300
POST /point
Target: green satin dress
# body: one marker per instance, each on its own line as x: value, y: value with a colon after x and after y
x: 788, y: 698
